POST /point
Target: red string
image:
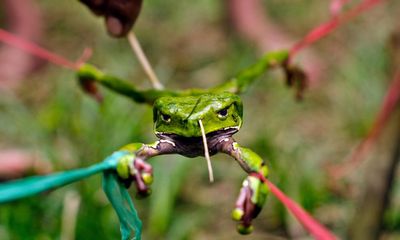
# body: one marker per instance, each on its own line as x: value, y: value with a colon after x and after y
x: 390, y: 101
x: 36, y: 50
x: 337, y: 6
x: 310, y: 224
x: 327, y: 27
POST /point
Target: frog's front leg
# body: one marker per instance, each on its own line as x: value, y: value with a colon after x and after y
x: 253, y: 193
x: 133, y: 167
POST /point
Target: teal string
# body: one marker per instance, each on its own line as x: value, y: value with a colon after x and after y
x: 130, y: 224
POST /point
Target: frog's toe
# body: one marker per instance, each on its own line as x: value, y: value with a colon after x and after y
x: 147, y: 178
x: 132, y: 169
x: 142, y: 173
x: 243, y: 229
x: 244, y: 210
x: 142, y: 182
x: 248, y: 205
x: 237, y: 214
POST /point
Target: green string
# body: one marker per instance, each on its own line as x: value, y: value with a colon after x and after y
x: 130, y: 224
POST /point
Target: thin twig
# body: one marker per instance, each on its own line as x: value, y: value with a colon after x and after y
x: 206, y: 154
x: 378, y: 182
x: 137, y: 49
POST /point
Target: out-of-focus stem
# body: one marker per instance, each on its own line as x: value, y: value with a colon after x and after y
x: 253, y: 23
x: 389, y: 105
x: 326, y: 28
x: 36, y: 50
x: 380, y: 174
x: 378, y: 179
x: 72, y: 201
x: 23, y: 18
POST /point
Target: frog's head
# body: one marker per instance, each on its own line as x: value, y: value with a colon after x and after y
x: 181, y: 115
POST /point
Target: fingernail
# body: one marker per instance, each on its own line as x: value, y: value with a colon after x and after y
x: 114, y: 26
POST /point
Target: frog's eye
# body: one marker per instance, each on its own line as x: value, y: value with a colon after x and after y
x: 165, y: 117
x: 223, y: 113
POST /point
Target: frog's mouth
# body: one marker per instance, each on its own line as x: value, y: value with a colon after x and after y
x: 211, y: 136
x: 205, y: 145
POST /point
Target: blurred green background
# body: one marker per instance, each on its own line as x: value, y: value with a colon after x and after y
x: 192, y: 44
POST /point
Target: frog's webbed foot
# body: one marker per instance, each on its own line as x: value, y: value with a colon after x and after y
x: 253, y: 193
x: 134, y: 168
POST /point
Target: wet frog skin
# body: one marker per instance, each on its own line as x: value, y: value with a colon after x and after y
x: 189, y: 121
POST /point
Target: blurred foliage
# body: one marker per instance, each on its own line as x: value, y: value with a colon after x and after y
x: 190, y: 45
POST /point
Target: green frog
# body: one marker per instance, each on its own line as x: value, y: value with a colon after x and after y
x: 192, y: 123
x: 178, y: 128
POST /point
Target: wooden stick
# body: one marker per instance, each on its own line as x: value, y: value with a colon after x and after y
x: 206, y: 154
x: 137, y: 49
